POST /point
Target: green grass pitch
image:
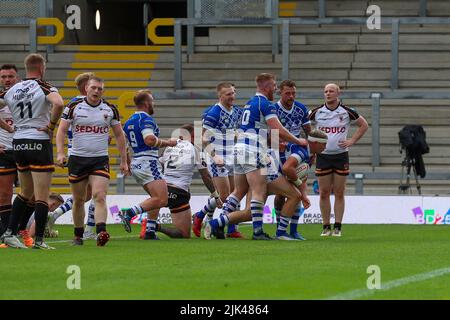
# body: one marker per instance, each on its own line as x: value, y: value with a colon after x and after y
x: 319, y: 268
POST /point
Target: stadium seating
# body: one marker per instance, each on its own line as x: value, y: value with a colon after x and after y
x: 356, y: 58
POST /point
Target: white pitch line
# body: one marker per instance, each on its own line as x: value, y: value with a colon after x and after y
x: 359, y: 293
x: 119, y: 237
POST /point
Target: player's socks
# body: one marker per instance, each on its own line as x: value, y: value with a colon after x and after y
x: 99, y: 227
x: 26, y: 215
x: 221, y: 221
x: 135, y: 210
x: 40, y: 216
x: 294, y: 220
x: 230, y: 204
x: 257, y: 208
x: 66, y: 206
x: 91, y: 217
x: 277, y: 214
x: 18, y: 208
x: 233, y: 228
x: 78, y: 232
x: 282, y: 226
x: 151, y: 226
x: 5, y: 212
x: 208, y: 209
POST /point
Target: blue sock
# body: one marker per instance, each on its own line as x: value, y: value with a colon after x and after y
x: 91, y: 214
x: 230, y: 205
x: 66, y: 206
x: 136, y: 210
x: 208, y: 209
x: 151, y: 226
x: 294, y: 220
x: 223, y: 221
x: 282, y: 226
x: 257, y: 208
x: 277, y: 214
x: 231, y: 228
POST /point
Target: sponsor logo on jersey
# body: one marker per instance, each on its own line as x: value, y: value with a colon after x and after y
x: 32, y: 146
x: 332, y: 129
x: 91, y: 129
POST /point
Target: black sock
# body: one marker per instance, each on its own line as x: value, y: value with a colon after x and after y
x: 26, y: 215
x: 79, y: 232
x: 40, y: 217
x: 5, y: 212
x: 99, y: 227
x: 338, y: 225
x: 327, y: 226
x: 18, y: 208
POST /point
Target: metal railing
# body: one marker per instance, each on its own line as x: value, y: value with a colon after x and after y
x: 322, y: 8
x: 25, y: 22
x: 285, y: 23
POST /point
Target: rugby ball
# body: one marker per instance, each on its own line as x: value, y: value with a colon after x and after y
x: 302, y: 171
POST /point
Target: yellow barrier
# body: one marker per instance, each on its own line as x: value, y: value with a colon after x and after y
x: 157, y: 22
x: 59, y: 33
x: 125, y: 99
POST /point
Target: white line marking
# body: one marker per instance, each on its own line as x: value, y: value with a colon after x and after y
x: 359, y: 293
x: 119, y: 237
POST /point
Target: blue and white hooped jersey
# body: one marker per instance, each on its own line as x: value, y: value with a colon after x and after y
x: 139, y: 125
x: 293, y: 119
x: 222, y: 123
x: 252, y: 132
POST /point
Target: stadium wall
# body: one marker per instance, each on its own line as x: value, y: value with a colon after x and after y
x: 358, y: 209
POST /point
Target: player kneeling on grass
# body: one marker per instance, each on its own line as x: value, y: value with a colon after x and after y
x: 54, y: 201
x: 180, y: 162
x: 142, y: 133
x: 292, y: 187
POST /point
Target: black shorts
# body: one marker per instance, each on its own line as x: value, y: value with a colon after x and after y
x: 81, y: 168
x: 33, y: 155
x: 7, y: 163
x: 178, y: 199
x: 332, y: 163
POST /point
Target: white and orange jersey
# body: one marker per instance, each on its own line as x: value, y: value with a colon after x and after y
x: 6, y: 137
x: 180, y: 163
x: 30, y: 109
x: 90, y: 126
x: 335, y: 123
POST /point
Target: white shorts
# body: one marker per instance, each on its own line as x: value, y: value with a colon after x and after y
x: 146, y: 169
x: 224, y: 171
x: 246, y: 161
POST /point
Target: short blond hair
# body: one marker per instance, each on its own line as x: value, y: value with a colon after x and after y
x: 222, y: 85
x: 82, y: 79
x: 262, y: 78
x: 335, y: 85
x: 33, y: 62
